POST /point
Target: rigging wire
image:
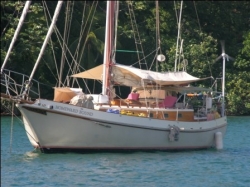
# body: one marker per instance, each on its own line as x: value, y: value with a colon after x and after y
x: 146, y: 57
x: 10, y: 20
x: 137, y: 38
x: 93, y: 8
x: 69, y: 19
x: 60, y: 38
x: 157, y: 37
x: 202, y: 37
x: 53, y: 51
x: 75, y: 67
x: 178, y: 36
x: 74, y: 60
x: 12, y: 122
x: 65, y: 38
x: 80, y: 37
x: 81, y: 32
x: 11, y: 127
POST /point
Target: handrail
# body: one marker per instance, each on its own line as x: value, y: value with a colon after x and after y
x: 13, y: 84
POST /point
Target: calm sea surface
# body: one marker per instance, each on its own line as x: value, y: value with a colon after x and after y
x: 230, y: 167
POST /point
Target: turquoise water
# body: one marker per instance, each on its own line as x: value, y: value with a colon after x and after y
x: 230, y: 167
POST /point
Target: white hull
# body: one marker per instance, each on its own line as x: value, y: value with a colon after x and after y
x: 52, y: 125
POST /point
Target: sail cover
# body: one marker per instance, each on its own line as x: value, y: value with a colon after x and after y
x: 131, y: 76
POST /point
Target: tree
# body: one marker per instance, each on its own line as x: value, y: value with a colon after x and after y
x: 31, y: 35
x: 238, y: 97
x: 204, y: 24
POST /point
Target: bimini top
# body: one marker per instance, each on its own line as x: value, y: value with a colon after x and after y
x: 131, y: 76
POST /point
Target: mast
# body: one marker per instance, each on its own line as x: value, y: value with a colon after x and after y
x: 25, y: 10
x: 157, y: 31
x: 108, y: 47
x: 178, y: 37
x: 115, y: 30
x: 223, y: 86
x: 58, y: 7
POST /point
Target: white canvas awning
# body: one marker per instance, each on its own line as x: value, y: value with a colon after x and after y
x: 131, y: 76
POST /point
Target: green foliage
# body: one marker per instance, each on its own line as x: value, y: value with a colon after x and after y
x: 239, y: 85
x: 201, y: 33
x: 30, y: 39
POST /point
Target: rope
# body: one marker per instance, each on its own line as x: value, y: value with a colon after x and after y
x: 12, y: 122
x: 67, y: 49
x: 138, y: 43
x: 178, y: 36
x: 53, y: 52
x: 158, y: 38
x: 202, y: 36
x: 76, y: 65
x: 10, y: 21
x: 65, y: 40
x: 81, y: 32
x: 11, y: 127
x: 145, y: 58
x: 85, y: 42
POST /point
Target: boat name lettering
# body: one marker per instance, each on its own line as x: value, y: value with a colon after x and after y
x: 67, y: 109
x: 86, y: 113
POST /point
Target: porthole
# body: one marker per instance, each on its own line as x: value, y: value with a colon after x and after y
x: 179, y: 115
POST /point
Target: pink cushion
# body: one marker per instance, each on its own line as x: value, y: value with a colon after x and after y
x: 168, y: 102
x: 133, y: 96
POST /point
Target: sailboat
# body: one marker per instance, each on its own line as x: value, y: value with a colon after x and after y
x: 157, y: 115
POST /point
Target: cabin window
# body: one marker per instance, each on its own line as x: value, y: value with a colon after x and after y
x: 151, y: 115
x: 165, y: 115
x: 179, y: 115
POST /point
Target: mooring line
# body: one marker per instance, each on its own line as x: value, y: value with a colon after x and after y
x: 11, y: 126
x: 12, y: 122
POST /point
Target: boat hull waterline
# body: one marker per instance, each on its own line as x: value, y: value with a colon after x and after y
x: 52, y: 125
